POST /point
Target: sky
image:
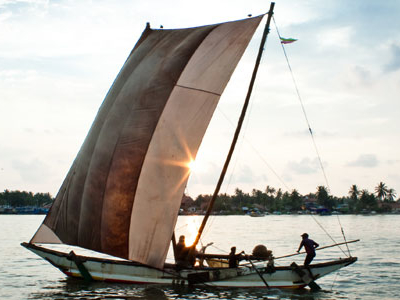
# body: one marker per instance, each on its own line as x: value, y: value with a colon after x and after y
x: 59, y: 58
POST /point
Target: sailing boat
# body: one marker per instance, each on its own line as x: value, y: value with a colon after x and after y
x: 122, y: 194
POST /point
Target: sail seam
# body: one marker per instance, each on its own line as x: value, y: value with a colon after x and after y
x: 200, y: 90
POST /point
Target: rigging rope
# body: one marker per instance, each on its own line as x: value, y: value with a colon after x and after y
x: 222, y: 250
x: 313, y: 140
x: 330, y: 235
x: 311, y: 134
x: 344, y: 237
x: 256, y: 152
x: 334, y: 281
x: 302, y: 106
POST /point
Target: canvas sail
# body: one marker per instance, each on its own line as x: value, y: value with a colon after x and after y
x: 123, y: 192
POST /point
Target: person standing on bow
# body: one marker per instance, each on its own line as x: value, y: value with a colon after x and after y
x: 310, y: 246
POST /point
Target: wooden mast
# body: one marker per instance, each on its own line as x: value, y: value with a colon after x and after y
x: 238, y: 128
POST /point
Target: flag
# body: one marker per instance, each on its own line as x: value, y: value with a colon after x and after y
x: 287, y: 41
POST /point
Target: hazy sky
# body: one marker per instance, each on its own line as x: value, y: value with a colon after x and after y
x: 59, y: 58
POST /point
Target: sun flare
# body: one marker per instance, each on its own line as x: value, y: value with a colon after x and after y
x: 192, y: 165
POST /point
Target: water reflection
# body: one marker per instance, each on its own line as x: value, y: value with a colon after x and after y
x: 78, y: 289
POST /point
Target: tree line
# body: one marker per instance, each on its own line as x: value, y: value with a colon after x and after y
x: 271, y: 200
x: 20, y: 199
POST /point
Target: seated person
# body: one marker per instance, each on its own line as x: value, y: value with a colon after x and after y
x: 234, y: 258
x: 185, y: 257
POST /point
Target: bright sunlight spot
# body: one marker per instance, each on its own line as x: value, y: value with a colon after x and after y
x: 191, y: 234
x: 192, y: 165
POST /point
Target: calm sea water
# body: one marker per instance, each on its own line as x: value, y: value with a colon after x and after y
x: 376, y: 275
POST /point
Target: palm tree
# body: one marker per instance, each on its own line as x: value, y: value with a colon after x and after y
x: 391, y: 194
x: 381, y: 191
x: 367, y: 200
x: 354, y: 192
x: 279, y: 193
x: 278, y: 204
x: 295, y: 200
x: 270, y: 190
x: 323, y: 197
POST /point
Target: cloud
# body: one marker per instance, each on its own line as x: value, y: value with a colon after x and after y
x: 297, y: 133
x: 336, y: 37
x: 392, y: 161
x: 244, y: 175
x: 33, y: 171
x: 357, y: 76
x: 361, y: 75
x: 306, y: 132
x: 394, y: 63
x: 58, y: 59
x: 365, y: 161
x: 305, y: 166
x: 4, y: 16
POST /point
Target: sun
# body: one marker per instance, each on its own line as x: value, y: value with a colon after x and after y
x: 192, y: 165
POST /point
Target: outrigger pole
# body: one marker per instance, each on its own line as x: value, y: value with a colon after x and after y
x: 289, y: 255
x: 258, y: 273
x: 238, y: 128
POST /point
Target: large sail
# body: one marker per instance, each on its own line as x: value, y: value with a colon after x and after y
x: 123, y: 192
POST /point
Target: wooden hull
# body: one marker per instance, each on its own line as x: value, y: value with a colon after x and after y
x: 100, y: 269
